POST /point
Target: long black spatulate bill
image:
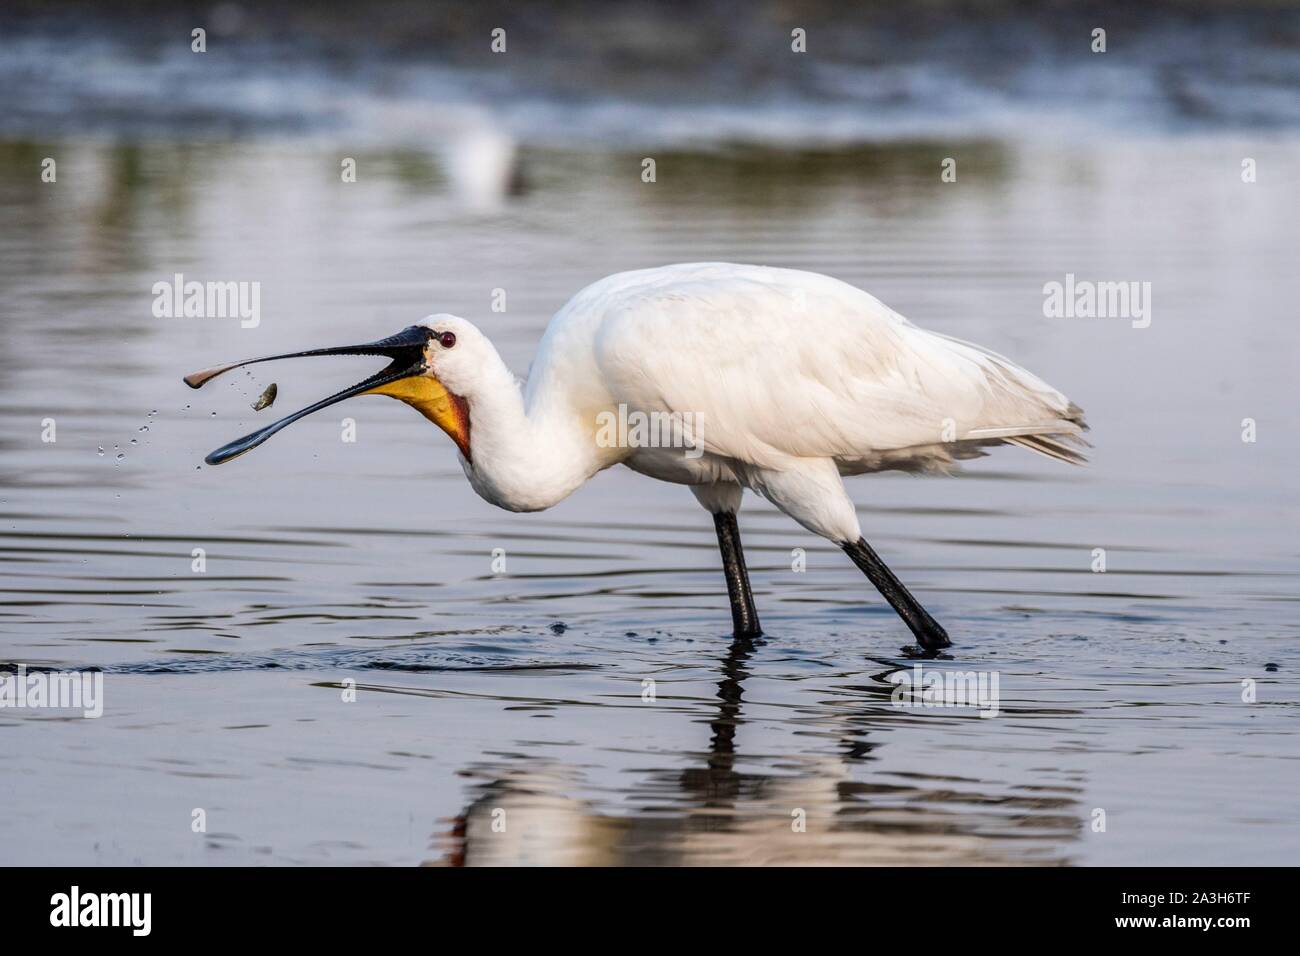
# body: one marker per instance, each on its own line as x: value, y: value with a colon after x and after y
x: 406, y: 349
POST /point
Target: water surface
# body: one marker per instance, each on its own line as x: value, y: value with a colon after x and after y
x: 368, y: 564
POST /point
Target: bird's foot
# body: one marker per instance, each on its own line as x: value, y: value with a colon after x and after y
x: 917, y: 652
x: 932, y: 637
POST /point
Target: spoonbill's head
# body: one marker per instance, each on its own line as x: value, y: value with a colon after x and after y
x: 432, y: 365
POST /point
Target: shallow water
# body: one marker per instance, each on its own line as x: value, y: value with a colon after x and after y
x: 518, y: 696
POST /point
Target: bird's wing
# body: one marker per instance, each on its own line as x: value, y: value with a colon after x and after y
x: 775, y: 364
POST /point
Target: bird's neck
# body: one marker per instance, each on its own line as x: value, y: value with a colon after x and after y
x: 525, y: 456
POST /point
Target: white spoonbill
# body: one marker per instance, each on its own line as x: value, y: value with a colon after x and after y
x: 775, y: 380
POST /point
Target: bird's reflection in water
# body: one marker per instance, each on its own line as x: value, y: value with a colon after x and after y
x: 817, y: 811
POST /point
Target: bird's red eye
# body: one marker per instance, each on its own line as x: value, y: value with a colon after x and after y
x: 447, y: 339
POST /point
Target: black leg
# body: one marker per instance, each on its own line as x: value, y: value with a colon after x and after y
x: 927, y: 630
x: 744, y: 617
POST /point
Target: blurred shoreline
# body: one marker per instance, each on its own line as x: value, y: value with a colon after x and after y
x: 627, y: 76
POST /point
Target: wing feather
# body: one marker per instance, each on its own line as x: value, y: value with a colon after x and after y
x: 779, y: 364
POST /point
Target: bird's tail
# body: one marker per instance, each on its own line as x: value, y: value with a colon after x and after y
x: 1055, y: 424
x: 1060, y: 438
x: 1054, y: 446
x: 1062, y: 444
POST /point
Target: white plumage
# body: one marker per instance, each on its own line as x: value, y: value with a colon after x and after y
x: 775, y: 380
x: 789, y: 365
x: 794, y: 379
